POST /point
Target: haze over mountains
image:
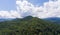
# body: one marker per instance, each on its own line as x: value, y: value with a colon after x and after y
x: 52, y: 19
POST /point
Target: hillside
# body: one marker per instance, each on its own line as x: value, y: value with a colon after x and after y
x: 29, y: 26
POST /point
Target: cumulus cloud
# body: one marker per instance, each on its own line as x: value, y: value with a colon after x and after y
x: 49, y: 9
x: 25, y: 8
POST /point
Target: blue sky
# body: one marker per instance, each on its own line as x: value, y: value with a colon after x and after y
x: 38, y: 2
x: 7, y: 4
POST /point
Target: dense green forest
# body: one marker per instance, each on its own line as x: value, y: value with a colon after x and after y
x: 29, y: 26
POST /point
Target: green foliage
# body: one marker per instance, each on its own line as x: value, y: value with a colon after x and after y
x: 29, y: 26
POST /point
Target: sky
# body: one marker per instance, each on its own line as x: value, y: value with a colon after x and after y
x: 37, y: 2
x: 35, y: 8
x: 7, y: 4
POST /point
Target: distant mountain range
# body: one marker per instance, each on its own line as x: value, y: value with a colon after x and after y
x: 53, y: 19
x: 4, y: 19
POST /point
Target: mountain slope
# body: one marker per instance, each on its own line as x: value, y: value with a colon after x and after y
x: 28, y: 26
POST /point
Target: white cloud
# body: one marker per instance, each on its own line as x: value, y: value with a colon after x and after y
x: 25, y: 8
x: 11, y: 14
x: 49, y: 9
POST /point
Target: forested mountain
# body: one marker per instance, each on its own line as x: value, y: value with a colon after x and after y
x: 29, y: 26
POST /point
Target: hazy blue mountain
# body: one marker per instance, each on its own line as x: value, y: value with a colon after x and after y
x: 53, y: 19
x: 5, y: 19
